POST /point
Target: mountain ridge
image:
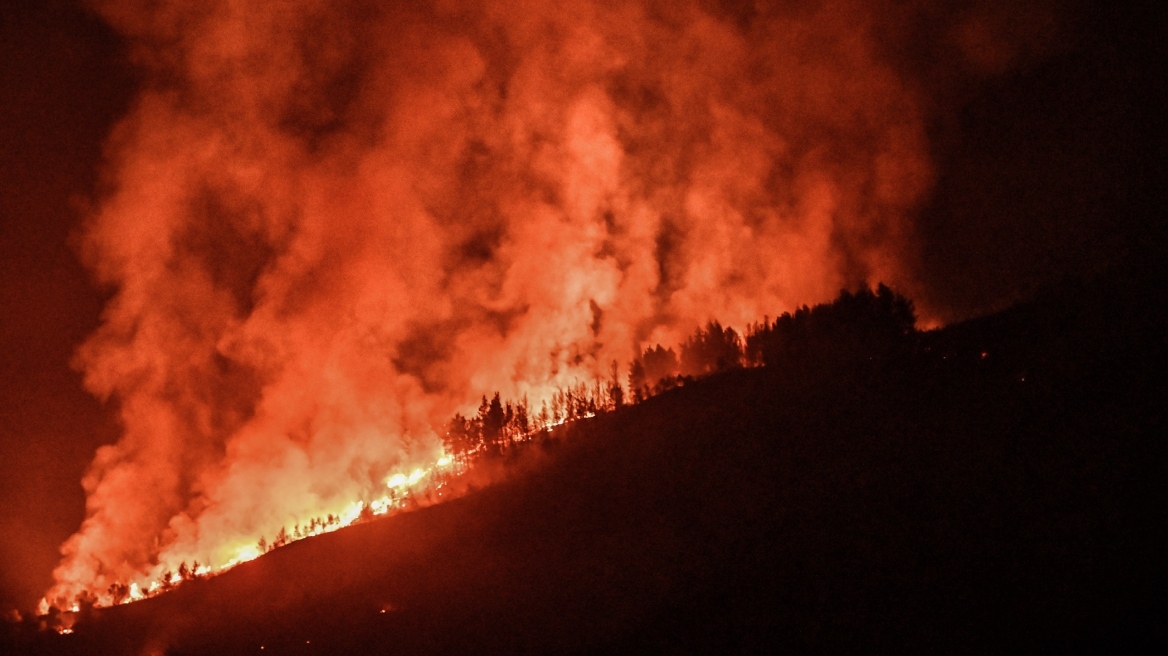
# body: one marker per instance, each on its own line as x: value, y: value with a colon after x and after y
x: 991, y: 486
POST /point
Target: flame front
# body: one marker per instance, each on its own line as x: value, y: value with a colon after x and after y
x: 331, y: 225
x: 420, y: 483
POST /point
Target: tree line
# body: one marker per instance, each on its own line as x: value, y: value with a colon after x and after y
x: 872, y: 323
x: 499, y: 424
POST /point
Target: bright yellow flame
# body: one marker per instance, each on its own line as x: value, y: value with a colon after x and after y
x: 352, y: 512
x: 242, y: 556
x: 399, y: 482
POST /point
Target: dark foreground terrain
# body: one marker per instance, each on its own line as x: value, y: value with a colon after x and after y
x: 990, y: 488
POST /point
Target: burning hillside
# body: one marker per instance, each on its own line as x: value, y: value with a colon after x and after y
x: 325, y: 237
x: 872, y: 321
x: 990, y: 487
x: 329, y: 226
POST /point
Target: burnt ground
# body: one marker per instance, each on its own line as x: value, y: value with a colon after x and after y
x: 929, y: 500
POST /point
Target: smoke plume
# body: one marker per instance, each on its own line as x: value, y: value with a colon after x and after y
x: 331, y: 224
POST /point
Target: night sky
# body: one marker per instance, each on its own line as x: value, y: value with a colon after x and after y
x: 1044, y: 169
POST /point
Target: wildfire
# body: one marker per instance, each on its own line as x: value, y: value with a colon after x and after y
x: 403, y: 488
x: 421, y: 482
x: 304, y: 282
x: 886, y: 318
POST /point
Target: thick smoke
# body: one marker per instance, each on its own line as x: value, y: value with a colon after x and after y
x: 330, y: 225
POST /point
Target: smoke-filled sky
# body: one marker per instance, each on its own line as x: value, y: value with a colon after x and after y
x: 254, y: 253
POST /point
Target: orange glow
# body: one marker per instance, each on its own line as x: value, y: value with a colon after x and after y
x: 327, y: 231
x: 419, y: 482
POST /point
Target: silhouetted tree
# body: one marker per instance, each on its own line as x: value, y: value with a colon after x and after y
x: 366, y: 513
x: 711, y: 350
x: 492, y: 417
x: 647, y: 372
x: 507, y: 435
x: 616, y: 392
x: 522, y: 421
x: 118, y: 592
x: 638, y: 382
x: 462, y: 438
x: 545, y: 417
x: 866, y: 323
x: 752, y: 342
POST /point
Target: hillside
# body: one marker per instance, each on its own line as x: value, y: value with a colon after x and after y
x: 993, y: 486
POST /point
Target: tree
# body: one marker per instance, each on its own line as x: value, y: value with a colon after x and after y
x: 638, y: 382
x: 652, y: 372
x: 545, y: 418
x: 493, y: 419
x: 522, y: 421
x: 660, y: 363
x: 118, y: 592
x: 616, y: 392
x: 508, y: 433
x: 461, y: 439
x: 864, y: 324
x: 711, y: 350
x: 559, y: 407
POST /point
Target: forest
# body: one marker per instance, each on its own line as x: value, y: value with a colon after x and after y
x: 876, y: 324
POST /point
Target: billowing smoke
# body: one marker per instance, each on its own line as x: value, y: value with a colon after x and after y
x: 330, y: 225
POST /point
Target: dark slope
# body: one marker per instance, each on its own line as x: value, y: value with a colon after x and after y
x: 934, y: 500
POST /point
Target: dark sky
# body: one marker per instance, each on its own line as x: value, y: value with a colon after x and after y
x: 1049, y: 170
x: 64, y: 81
